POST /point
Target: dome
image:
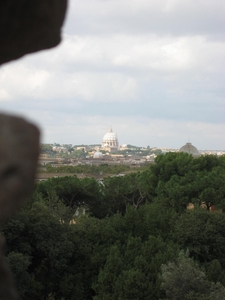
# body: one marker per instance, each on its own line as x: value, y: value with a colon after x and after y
x: 98, y: 154
x: 110, y: 139
x: 190, y: 149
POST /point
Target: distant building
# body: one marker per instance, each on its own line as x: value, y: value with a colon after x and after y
x: 83, y: 148
x: 110, y: 141
x: 59, y: 149
x: 190, y: 149
x: 98, y: 154
x: 43, y: 156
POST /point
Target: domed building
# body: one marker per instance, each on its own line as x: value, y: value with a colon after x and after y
x: 110, y: 140
x: 190, y: 149
x: 98, y: 154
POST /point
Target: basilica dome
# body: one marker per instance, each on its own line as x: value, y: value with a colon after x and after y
x: 190, y: 149
x: 110, y: 139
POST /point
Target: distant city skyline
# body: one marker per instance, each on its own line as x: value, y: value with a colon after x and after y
x: 153, y: 70
x: 121, y: 146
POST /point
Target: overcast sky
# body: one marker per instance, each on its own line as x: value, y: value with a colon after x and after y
x: 154, y: 70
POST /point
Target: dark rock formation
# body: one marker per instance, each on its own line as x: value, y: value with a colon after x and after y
x: 29, y: 25
x: 19, y: 150
x: 26, y: 26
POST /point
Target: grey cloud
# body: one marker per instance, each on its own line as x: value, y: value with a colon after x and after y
x: 154, y: 70
x: 138, y: 17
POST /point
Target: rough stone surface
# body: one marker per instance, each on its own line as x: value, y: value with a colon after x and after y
x: 28, y: 26
x: 19, y: 150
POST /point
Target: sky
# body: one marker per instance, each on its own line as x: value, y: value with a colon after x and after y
x: 154, y: 70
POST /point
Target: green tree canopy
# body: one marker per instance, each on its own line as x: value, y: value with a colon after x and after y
x: 184, y: 279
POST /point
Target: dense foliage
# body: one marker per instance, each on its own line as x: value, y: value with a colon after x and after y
x: 89, y: 169
x: 136, y: 240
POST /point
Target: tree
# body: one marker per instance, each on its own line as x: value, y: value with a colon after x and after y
x: 203, y: 234
x: 215, y: 272
x: 19, y: 265
x: 131, y: 269
x: 73, y: 192
x: 120, y: 192
x: 183, y: 279
x: 179, y: 179
x: 172, y: 164
x: 41, y: 251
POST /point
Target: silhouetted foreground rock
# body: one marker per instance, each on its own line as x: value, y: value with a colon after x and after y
x: 26, y: 26
x: 29, y: 25
x: 19, y: 149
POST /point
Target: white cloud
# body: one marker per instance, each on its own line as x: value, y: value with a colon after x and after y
x: 88, y: 66
x: 21, y: 80
x: 139, y: 16
x: 4, y: 95
x: 154, y: 70
x: 136, y: 130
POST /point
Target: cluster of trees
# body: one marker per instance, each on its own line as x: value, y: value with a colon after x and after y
x: 139, y: 151
x: 180, y: 179
x: 47, y: 148
x: 89, y: 169
x: 137, y: 240
x: 71, y: 151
